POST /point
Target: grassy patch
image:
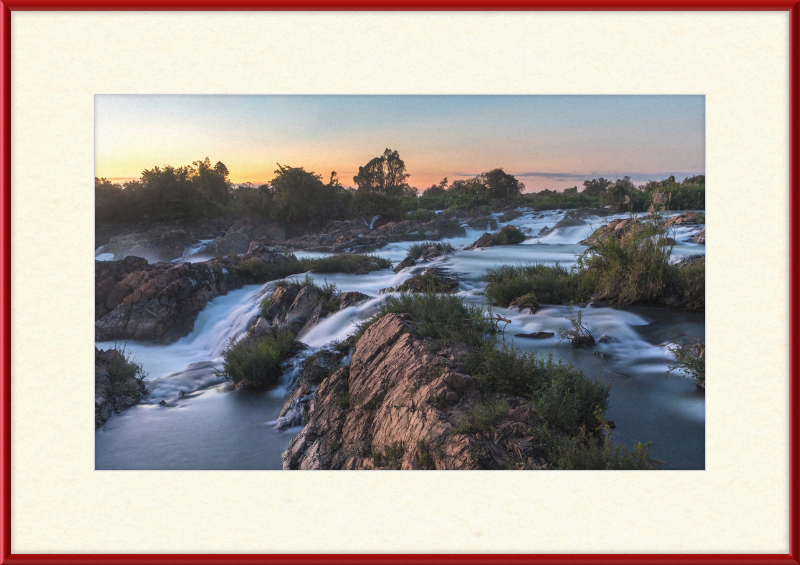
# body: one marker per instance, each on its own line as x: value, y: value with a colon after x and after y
x: 422, y: 215
x: 255, y: 270
x: 481, y: 418
x: 483, y: 223
x: 550, y: 285
x: 448, y: 318
x: 256, y: 363
x: 426, y: 282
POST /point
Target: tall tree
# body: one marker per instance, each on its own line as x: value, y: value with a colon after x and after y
x: 385, y: 175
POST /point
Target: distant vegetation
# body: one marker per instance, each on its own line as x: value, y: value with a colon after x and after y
x: 296, y: 197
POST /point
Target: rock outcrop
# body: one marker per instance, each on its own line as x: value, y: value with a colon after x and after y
x: 135, y: 300
x: 353, y: 235
x: 395, y: 407
x: 700, y: 238
x: 617, y: 228
x: 298, y: 309
x: 241, y: 235
x: 686, y: 218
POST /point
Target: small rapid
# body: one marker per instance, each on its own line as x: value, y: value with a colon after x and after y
x: 208, y: 425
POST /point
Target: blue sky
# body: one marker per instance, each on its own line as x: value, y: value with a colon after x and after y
x: 547, y: 141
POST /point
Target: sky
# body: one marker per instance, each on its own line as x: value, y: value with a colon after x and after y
x: 550, y: 142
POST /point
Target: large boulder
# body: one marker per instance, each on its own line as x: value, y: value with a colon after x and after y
x: 700, y: 238
x: 158, y: 302
x: 616, y: 228
x: 395, y: 406
x: 686, y: 218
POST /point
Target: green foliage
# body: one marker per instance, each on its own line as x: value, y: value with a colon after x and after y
x: 384, y: 175
x: 370, y: 204
x: 425, y: 282
x: 481, y: 418
x: 585, y: 451
x: 690, y: 359
x: 509, y: 235
x: 391, y: 456
x: 422, y: 215
x: 257, y: 271
x: 561, y: 392
x: 629, y: 269
x: 127, y: 375
x: 550, y: 285
x: 302, y: 198
x: 424, y: 457
x: 256, y: 363
x: 438, y: 316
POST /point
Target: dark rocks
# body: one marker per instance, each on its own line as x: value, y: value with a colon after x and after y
x: 691, y: 261
x: 686, y: 218
x: 606, y: 339
x: 601, y: 355
x: 350, y: 298
x: 537, y: 335
x: 241, y: 235
x: 155, y: 302
x: 160, y: 243
x: 405, y: 263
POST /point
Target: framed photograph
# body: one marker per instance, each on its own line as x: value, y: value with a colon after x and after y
x: 398, y: 238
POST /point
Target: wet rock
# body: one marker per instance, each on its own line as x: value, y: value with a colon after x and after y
x: 565, y: 222
x: 434, y: 279
x: 280, y: 301
x: 617, y: 228
x: 160, y: 301
x: 159, y: 243
x: 691, y: 261
x: 305, y: 309
x: 405, y: 263
x: 700, y: 238
x: 348, y: 299
x: 537, y: 335
x: 686, y: 218
x: 107, y: 274
x: 241, y: 235
x: 602, y: 355
x: 606, y: 339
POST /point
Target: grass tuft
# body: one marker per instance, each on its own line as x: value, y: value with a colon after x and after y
x: 256, y: 363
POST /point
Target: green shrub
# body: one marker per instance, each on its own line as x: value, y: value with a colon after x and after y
x: 437, y: 316
x: 576, y: 333
x: 426, y: 282
x: 585, y: 451
x: 482, y: 223
x: 422, y: 215
x: 391, y: 456
x: 690, y: 360
x: 629, y: 269
x: 481, y: 418
x: 510, y: 235
x: 256, y: 363
x: 561, y: 392
x: 122, y: 368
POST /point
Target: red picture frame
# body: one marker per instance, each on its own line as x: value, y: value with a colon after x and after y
x: 6, y: 557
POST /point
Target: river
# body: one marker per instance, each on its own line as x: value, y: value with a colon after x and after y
x: 211, y: 426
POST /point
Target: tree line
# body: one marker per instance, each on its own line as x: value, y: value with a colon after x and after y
x: 302, y: 198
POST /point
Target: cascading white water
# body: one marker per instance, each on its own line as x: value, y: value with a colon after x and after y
x: 212, y: 427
